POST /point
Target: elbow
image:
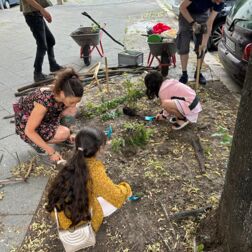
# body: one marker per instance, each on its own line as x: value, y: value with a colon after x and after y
x: 28, y: 132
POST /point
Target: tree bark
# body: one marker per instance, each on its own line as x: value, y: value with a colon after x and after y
x: 235, y: 209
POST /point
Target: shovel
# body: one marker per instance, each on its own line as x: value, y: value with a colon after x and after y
x: 87, y: 15
x: 200, y: 57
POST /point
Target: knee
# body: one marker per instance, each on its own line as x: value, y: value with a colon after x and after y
x: 51, y: 42
x: 42, y: 48
x: 63, y: 133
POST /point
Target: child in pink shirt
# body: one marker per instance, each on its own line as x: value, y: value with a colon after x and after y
x: 179, y: 101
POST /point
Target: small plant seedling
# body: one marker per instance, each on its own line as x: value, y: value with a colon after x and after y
x: 117, y: 144
x: 224, y: 135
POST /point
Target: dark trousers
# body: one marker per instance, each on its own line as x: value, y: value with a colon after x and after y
x: 44, y: 39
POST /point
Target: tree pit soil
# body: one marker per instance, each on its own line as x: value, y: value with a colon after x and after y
x: 165, y: 171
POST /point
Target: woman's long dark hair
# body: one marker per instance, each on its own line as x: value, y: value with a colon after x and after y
x: 153, y: 82
x: 69, y: 191
x: 69, y: 82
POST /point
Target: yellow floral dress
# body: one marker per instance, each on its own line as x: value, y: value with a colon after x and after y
x: 102, y: 186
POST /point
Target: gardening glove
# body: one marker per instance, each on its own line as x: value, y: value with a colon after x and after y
x: 196, y: 27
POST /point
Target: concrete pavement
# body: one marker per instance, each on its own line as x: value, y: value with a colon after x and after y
x: 125, y: 20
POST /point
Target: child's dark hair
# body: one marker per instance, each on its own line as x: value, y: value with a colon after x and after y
x: 69, y: 190
x: 153, y: 82
x: 68, y: 81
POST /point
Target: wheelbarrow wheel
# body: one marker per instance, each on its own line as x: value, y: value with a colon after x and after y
x: 86, y: 55
x: 165, y: 62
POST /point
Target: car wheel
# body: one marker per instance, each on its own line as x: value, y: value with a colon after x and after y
x: 7, y: 5
x: 215, y: 36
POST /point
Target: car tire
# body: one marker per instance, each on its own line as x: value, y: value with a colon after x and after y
x: 215, y: 36
x: 7, y: 5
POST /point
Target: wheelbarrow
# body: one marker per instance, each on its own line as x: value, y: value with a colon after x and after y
x: 164, y: 51
x: 87, y: 37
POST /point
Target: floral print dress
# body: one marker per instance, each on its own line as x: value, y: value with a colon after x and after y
x: 51, y: 120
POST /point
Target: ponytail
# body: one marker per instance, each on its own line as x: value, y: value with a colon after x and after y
x: 69, y: 191
x: 69, y: 82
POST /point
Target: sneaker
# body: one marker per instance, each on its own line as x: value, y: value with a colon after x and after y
x: 184, y: 78
x: 41, y: 77
x: 202, y: 79
x: 56, y: 68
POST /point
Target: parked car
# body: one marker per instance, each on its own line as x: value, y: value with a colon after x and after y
x: 217, y: 25
x: 219, y: 21
x: 236, y: 44
x: 8, y: 3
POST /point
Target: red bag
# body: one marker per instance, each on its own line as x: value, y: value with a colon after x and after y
x: 160, y: 27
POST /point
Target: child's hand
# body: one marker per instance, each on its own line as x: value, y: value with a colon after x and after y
x: 159, y: 117
x: 72, y: 138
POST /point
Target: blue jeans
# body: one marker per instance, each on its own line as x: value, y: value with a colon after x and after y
x: 44, y: 39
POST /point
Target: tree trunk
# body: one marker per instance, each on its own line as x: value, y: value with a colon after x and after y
x: 235, y: 210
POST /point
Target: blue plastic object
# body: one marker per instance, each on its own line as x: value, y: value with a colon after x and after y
x: 149, y: 118
x: 108, y: 132
x: 135, y: 197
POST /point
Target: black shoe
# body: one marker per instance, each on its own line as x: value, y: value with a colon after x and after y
x: 41, y: 77
x: 202, y: 79
x: 56, y: 68
x: 184, y: 78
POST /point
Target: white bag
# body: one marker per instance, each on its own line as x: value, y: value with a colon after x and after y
x: 107, y: 207
x: 76, y: 239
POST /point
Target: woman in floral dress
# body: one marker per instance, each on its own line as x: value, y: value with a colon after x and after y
x: 37, y: 115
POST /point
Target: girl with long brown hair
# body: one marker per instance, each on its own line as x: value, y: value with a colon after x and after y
x: 82, y: 191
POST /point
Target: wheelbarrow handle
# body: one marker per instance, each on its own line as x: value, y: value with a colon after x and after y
x: 87, y: 15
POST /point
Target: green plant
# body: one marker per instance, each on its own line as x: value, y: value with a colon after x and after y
x: 94, y: 28
x: 117, y: 144
x: 133, y: 92
x: 111, y: 115
x: 137, y: 134
x: 224, y: 135
x: 200, y: 248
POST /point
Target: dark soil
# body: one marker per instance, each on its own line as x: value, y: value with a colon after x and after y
x: 165, y: 171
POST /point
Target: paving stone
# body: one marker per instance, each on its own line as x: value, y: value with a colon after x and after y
x: 14, y: 229
x: 22, y: 198
x: 13, y: 148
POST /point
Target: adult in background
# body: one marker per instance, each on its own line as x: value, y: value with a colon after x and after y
x: 195, y: 21
x: 34, y: 12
